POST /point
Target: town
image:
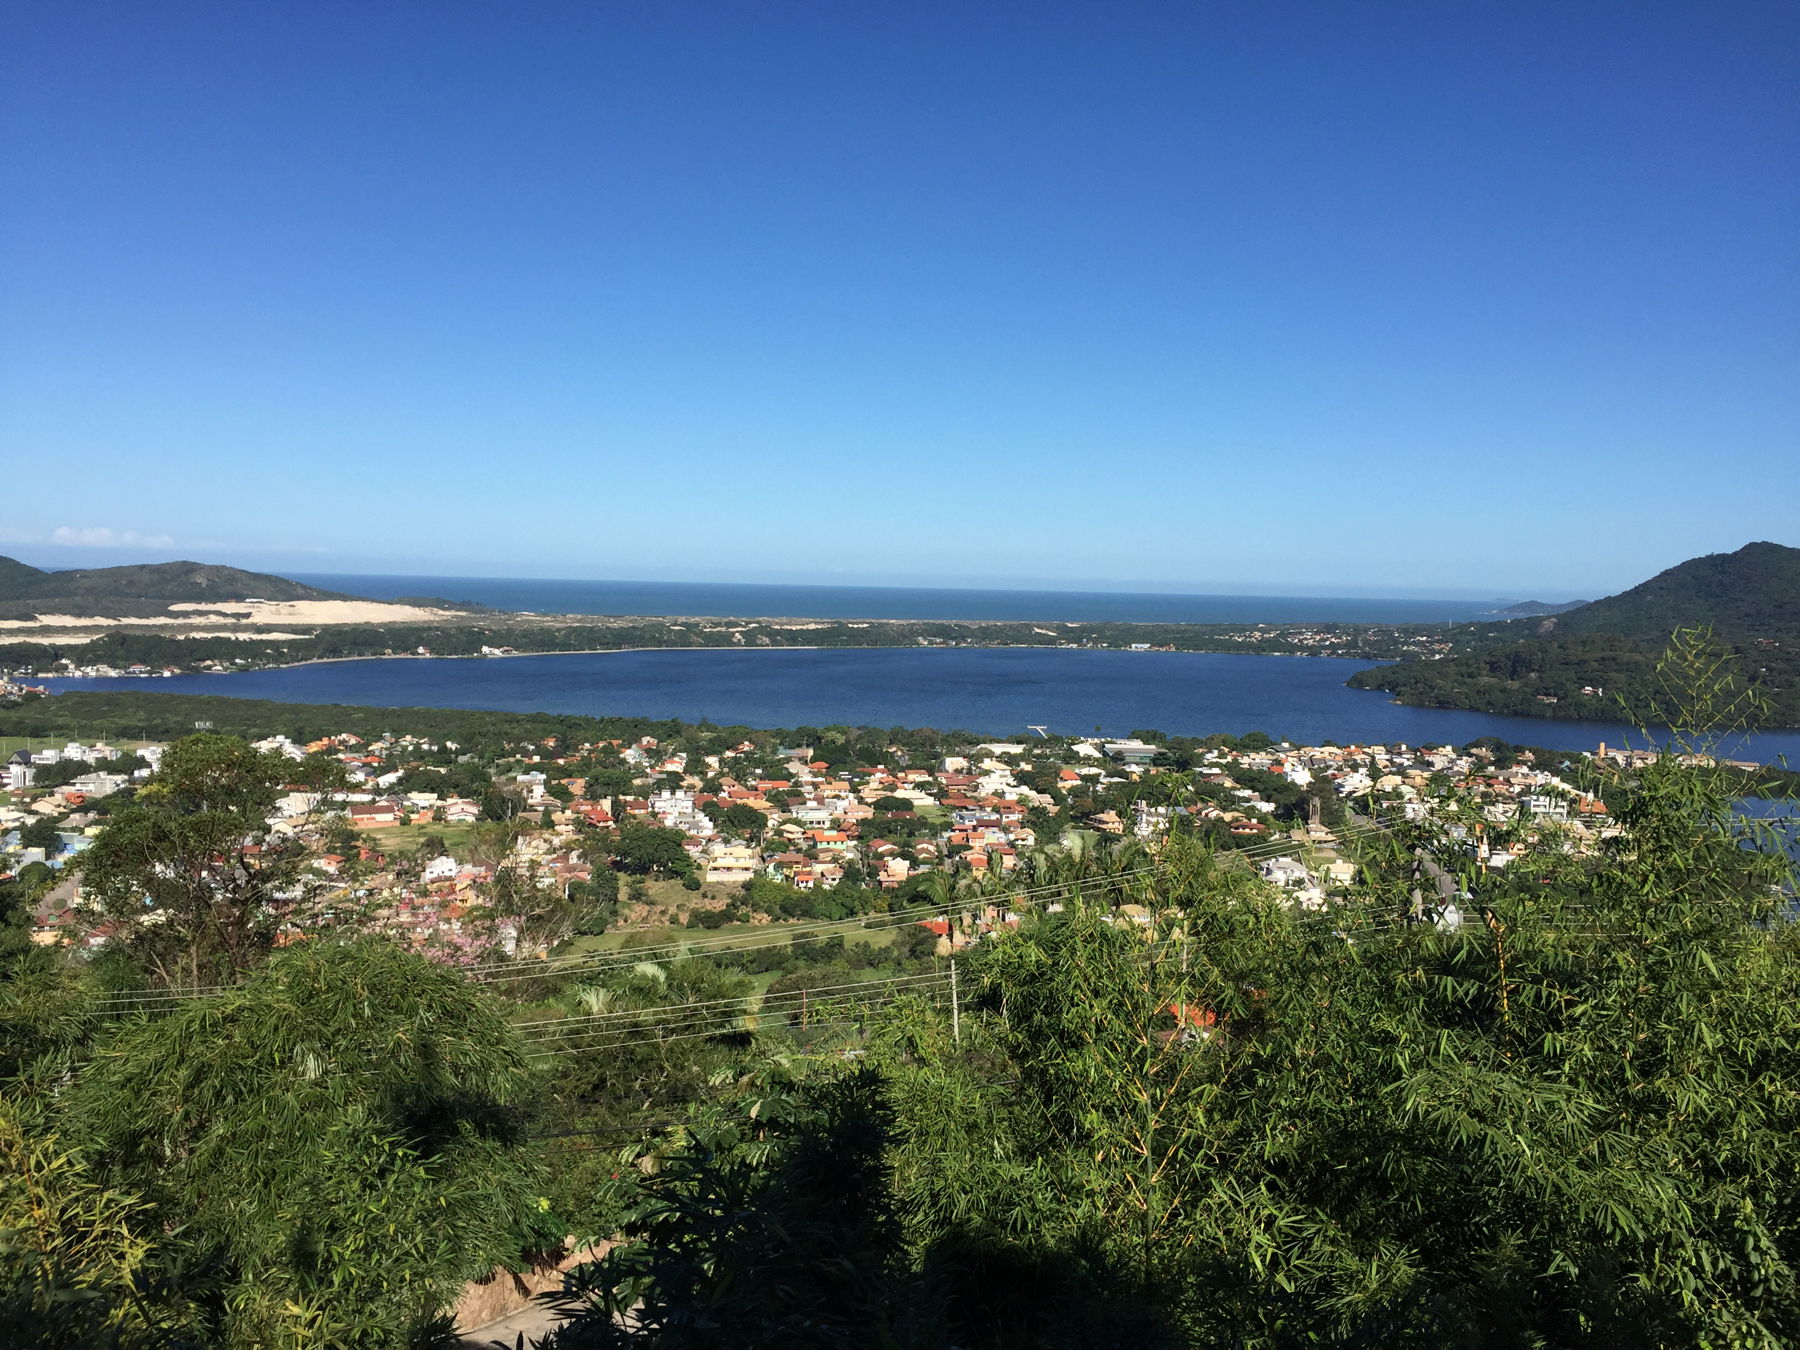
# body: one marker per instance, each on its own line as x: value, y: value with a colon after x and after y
x: 420, y: 838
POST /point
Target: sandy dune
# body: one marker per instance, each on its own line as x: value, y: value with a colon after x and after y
x: 218, y: 617
x: 322, y: 611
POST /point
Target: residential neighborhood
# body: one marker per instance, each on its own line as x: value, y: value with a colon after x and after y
x: 419, y: 836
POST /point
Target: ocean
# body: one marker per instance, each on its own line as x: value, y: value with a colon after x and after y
x: 739, y: 600
x: 994, y: 691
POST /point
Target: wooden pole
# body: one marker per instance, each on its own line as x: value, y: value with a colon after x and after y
x: 955, y: 1007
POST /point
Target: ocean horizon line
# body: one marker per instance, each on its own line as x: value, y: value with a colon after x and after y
x: 1170, y: 592
x: 742, y: 599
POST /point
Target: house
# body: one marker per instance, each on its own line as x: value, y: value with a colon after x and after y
x: 442, y: 868
x: 730, y: 863
x: 373, y: 815
x: 1190, y: 1023
x: 1545, y: 807
x: 98, y: 784
x: 1131, y: 751
x: 1288, y: 873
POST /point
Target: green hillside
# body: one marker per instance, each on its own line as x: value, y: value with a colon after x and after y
x: 1754, y: 592
x: 138, y: 588
x: 1598, y: 661
x: 14, y: 575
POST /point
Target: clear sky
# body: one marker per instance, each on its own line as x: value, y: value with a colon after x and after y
x: 1490, y: 298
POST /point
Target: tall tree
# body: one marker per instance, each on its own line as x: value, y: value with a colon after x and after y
x: 190, y: 874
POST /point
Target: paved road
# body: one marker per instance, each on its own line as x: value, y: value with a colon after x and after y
x: 523, y: 1327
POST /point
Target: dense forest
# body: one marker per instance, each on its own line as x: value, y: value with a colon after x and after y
x: 1754, y: 592
x: 1600, y: 677
x: 1598, y: 661
x: 131, y: 715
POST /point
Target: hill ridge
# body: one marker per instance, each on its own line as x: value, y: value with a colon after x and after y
x: 92, y: 590
x: 1751, y: 592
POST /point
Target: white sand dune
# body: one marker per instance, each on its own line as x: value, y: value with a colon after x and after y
x: 322, y: 611
x: 217, y: 617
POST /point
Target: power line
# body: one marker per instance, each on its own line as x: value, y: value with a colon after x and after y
x: 815, y: 930
x: 595, y: 962
x: 705, y: 1003
x: 788, y: 1001
x: 685, y: 1036
x: 830, y: 1011
x: 811, y: 930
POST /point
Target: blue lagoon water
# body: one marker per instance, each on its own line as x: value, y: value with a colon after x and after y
x: 994, y: 691
x: 732, y: 599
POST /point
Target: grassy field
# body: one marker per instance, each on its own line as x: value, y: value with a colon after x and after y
x: 739, y: 934
x: 8, y: 744
x: 406, y: 838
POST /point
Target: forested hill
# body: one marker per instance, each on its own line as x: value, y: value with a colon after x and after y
x: 1754, y: 592
x: 1533, y: 609
x: 1599, y: 661
x: 93, y: 590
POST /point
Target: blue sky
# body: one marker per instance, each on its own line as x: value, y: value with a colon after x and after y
x: 1484, y: 298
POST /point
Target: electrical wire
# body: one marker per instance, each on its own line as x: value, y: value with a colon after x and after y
x: 710, y: 1026
x: 703, y: 1003
x: 811, y: 930
x: 815, y: 930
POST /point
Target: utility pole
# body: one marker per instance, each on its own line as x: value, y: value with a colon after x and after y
x: 955, y: 1006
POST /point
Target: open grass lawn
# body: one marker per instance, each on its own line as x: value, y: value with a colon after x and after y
x: 667, y: 893
x: 737, y: 934
x: 8, y: 744
x: 406, y: 838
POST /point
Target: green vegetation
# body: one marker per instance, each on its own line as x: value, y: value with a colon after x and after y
x: 1566, y: 1122
x: 139, y: 590
x: 153, y: 716
x: 1169, y: 1110
x: 468, y: 637
x: 456, y: 839
x: 1599, y: 660
x: 188, y: 876
x: 1752, y: 592
x: 1597, y: 677
x: 320, y: 1157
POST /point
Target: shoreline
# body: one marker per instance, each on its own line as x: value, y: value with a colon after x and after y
x: 785, y: 647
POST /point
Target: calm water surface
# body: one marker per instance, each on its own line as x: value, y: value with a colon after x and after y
x: 893, y: 602
x: 994, y: 691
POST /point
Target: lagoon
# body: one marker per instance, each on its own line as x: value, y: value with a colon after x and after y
x: 993, y: 691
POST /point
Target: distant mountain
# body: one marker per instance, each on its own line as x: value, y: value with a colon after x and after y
x: 1599, y: 660
x: 1532, y: 609
x: 136, y: 588
x: 1754, y: 592
x: 16, y: 576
